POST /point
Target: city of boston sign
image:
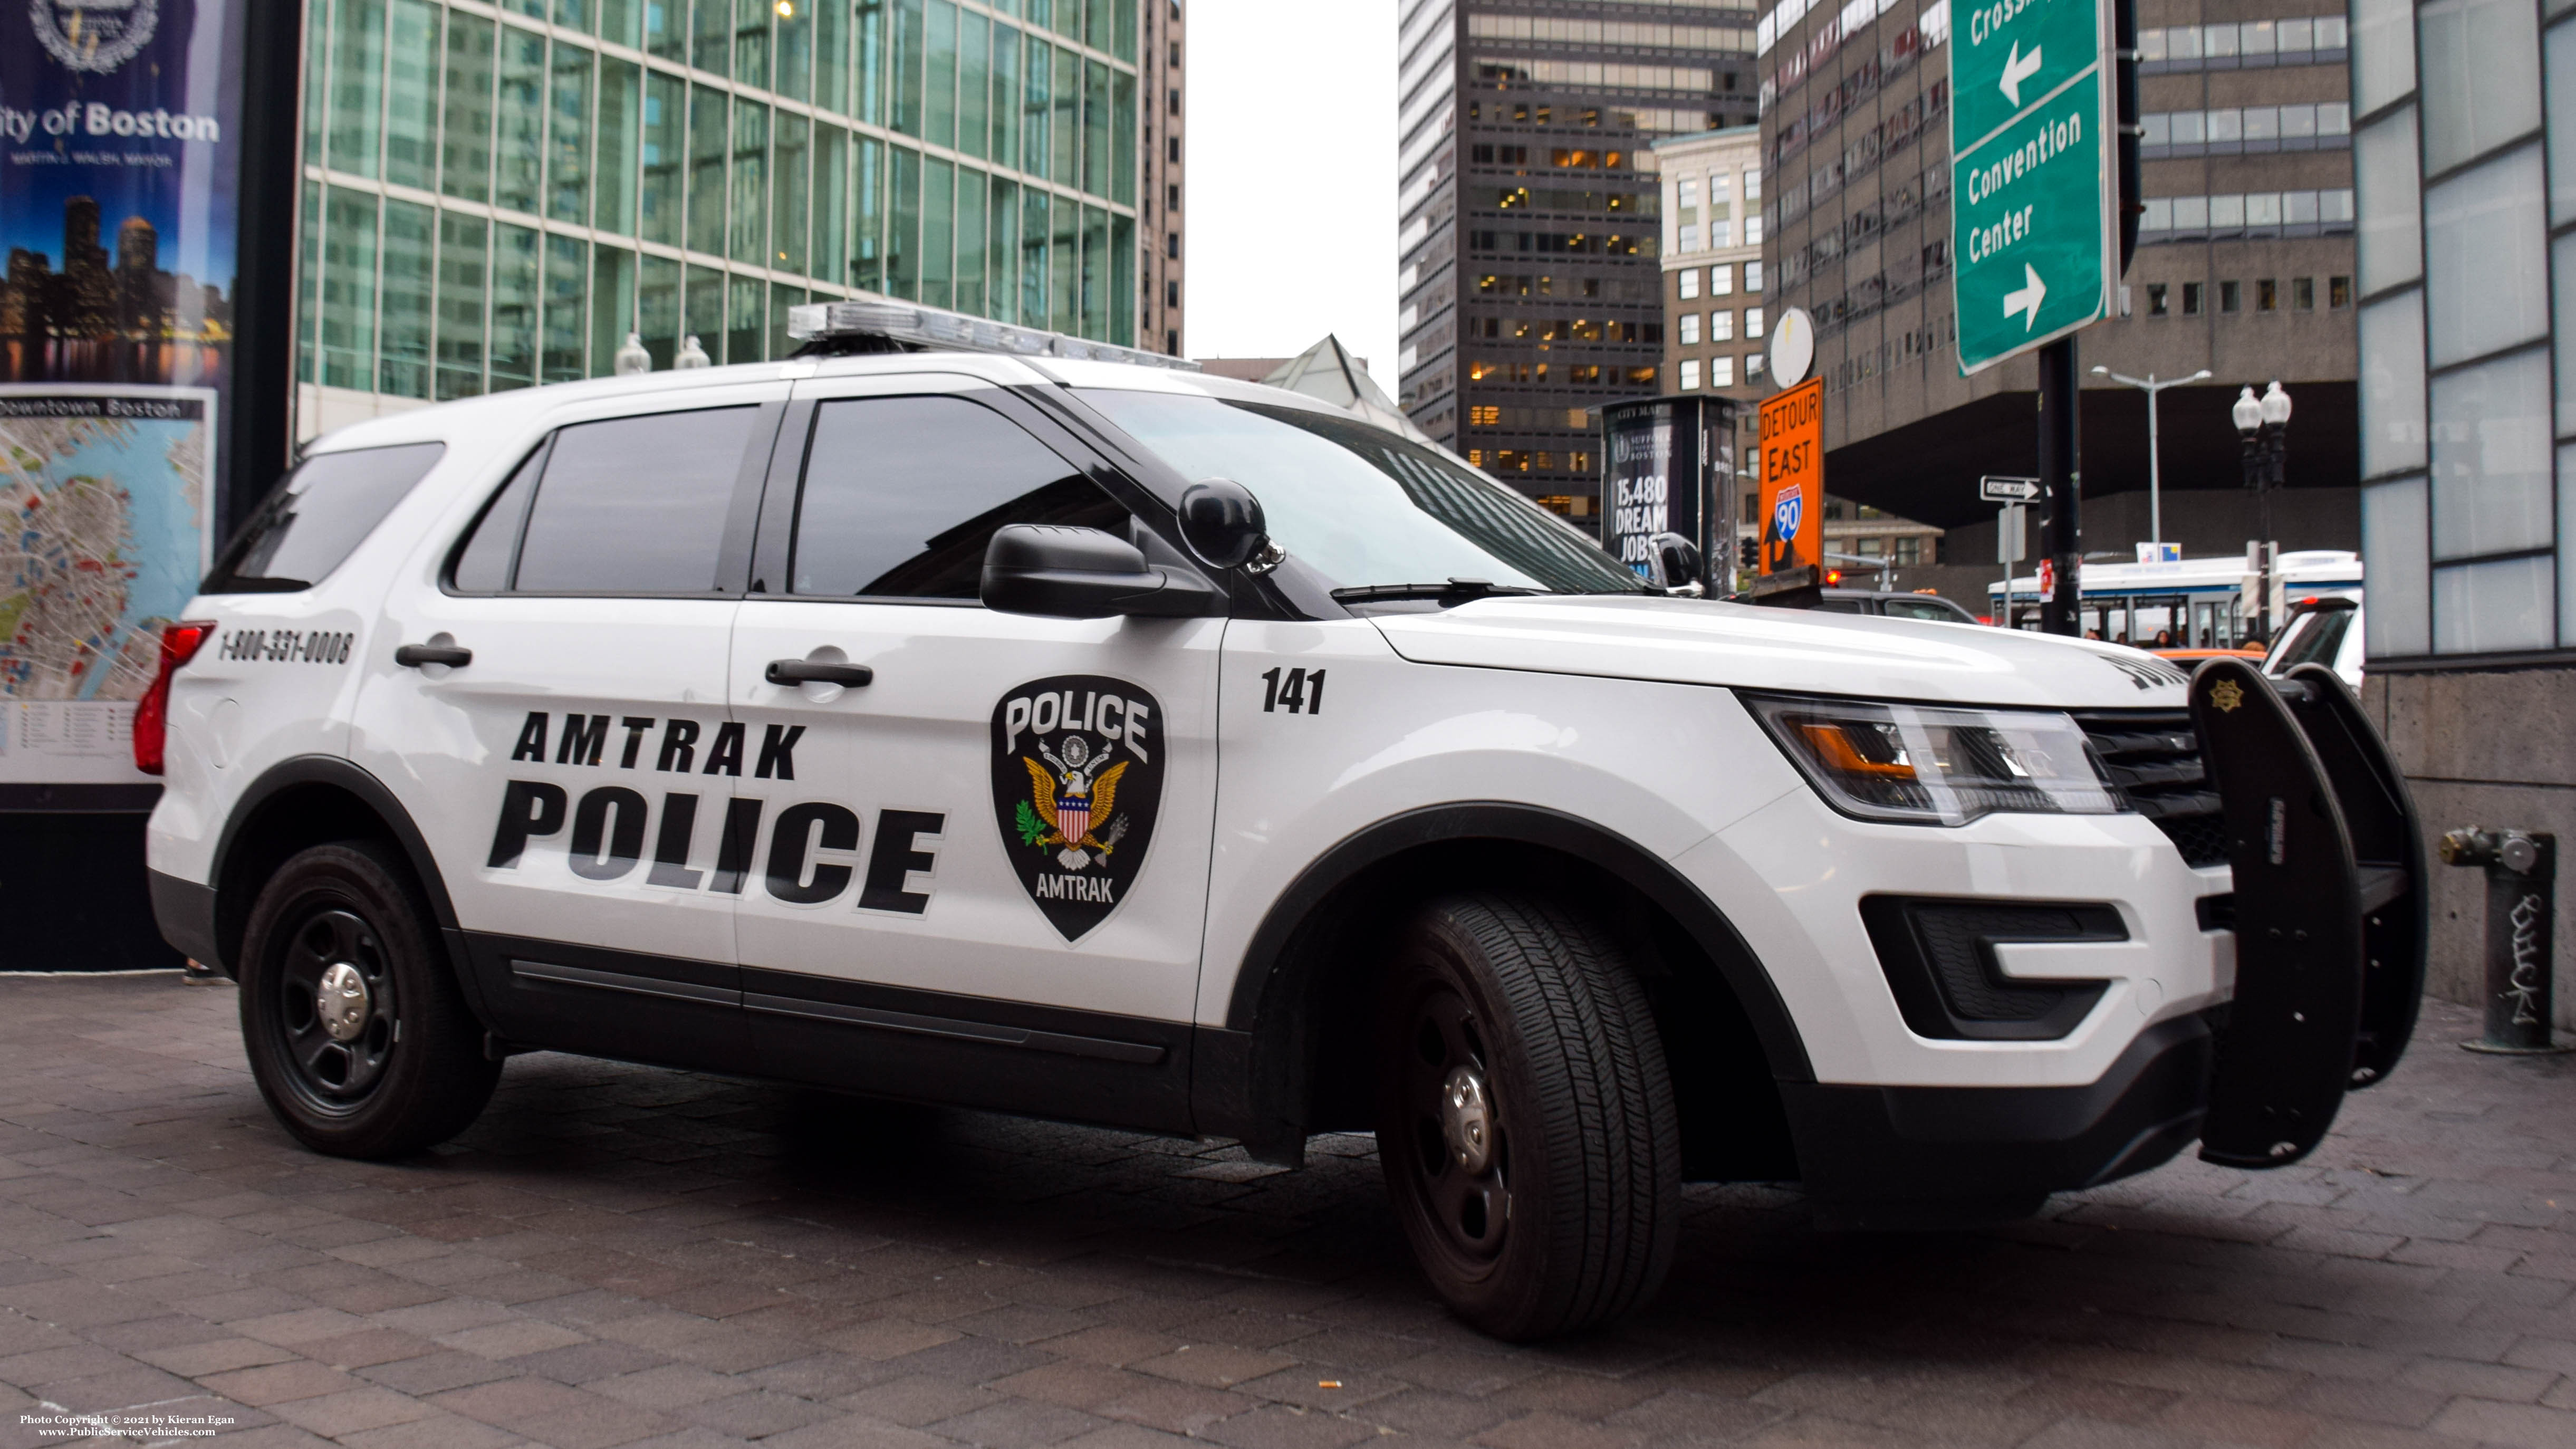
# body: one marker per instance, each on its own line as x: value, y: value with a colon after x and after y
x: 2034, y: 246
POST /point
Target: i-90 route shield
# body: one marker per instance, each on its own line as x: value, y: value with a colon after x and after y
x: 2303, y: 781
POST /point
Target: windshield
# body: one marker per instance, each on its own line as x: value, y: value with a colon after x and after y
x: 1362, y: 506
x: 2315, y: 638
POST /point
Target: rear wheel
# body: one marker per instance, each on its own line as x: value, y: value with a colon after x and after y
x: 1525, y: 1120
x: 357, y: 1034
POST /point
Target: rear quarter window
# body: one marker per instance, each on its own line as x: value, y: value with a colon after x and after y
x: 316, y: 517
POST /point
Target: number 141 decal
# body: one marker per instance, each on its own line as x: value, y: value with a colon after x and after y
x: 1302, y: 691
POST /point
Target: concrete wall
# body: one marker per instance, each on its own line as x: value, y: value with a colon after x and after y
x: 2484, y: 748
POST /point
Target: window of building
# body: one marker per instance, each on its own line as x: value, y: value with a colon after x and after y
x: 1753, y: 183
x: 1752, y: 321
x: 865, y: 527
x: 2267, y: 295
x: 1688, y: 283
x: 1690, y: 239
x: 1721, y: 372
x: 1753, y: 276
x: 1690, y: 374
x: 2338, y: 292
x: 2303, y: 294
x: 1686, y: 191
x: 1689, y: 330
x: 1721, y: 326
x: 2191, y: 299
x: 1719, y: 188
x: 1752, y: 370
x: 1484, y: 417
x: 1721, y: 234
x: 1753, y: 238
x: 2231, y: 297
x: 1721, y: 280
x: 1640, y: 376
x: 2155, y: 299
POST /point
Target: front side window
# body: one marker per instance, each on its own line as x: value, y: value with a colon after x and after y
x: 1363, y: 506
x: 901, y: 495
x: 317, y: 517
x: 623, y: 506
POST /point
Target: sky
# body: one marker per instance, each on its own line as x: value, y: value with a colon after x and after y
x: 1290, y: 212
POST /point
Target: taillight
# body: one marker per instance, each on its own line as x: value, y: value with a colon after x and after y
x: 179, y: 644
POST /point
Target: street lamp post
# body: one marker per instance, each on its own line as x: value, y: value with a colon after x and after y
x: 2155, y: 475
x: 2262, y: 428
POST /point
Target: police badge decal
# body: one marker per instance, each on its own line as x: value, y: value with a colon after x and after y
x: 1077, y: 779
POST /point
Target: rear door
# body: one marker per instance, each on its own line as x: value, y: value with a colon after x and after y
x: 574, y: 772
x: 984, y: 871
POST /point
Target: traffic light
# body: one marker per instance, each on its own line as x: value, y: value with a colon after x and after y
x: 1833, y: 577
x: 1748, y: 552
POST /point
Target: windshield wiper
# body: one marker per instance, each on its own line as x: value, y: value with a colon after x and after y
x: 1455, y: 591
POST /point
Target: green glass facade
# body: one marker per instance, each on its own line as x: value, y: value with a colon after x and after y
x: 495, y: 196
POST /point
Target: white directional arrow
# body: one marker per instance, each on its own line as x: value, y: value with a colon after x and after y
x: 2018, y: 68
x: 2029, y: 295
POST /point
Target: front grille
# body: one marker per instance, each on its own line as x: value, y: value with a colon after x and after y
x: 2154, y: 757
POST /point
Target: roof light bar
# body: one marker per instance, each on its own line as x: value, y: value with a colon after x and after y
x: 942, y: 330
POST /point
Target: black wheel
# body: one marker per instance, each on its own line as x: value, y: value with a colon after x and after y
x: 1525, y: 1122
x: 357, y: 1034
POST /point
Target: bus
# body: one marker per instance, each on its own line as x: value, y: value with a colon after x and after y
x: 2195, y: 603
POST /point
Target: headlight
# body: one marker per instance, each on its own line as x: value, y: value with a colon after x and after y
x: 1921, y: 765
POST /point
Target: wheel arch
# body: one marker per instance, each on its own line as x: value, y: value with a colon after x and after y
x: 304, y: 801
x: 1280, y: 1067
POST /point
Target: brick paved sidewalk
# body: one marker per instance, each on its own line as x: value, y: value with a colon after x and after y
x: 618, y: 1255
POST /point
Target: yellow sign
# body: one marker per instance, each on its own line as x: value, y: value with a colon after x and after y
x: 1793, y: 479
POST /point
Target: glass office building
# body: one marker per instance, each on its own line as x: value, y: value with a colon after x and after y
x: 2464, y: 154
x: 494, y: 196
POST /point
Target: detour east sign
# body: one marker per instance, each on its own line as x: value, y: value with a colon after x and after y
x: 1793, y: 479
x: 2032, y: 147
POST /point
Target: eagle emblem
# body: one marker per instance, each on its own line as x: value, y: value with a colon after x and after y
x: 1077, y: 781
x: 1067, y: 805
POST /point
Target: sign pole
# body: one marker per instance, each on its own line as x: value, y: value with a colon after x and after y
x: 2060, y: 479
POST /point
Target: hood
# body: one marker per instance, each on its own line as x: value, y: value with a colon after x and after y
x: 1698, y: 641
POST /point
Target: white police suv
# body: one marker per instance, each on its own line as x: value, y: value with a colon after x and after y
x: 1128, y: 746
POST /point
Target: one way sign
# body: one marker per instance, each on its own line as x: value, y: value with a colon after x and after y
x: 1998, y: 488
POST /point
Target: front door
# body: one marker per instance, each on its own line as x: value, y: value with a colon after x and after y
x: 573, y: 774
x: 985, y: 868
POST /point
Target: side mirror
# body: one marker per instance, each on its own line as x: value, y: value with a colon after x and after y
x: 1082, y: 573
x: 1677, y: 563
x: 1221, y: 522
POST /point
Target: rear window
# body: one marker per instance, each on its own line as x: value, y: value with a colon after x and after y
x: 624, y: 506
x: 316, y: 517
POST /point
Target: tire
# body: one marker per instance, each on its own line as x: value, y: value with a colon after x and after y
x: 398, y: 1064
x: 1555, y: 1207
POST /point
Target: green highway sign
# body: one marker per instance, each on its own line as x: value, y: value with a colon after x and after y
x: 2034, y: 250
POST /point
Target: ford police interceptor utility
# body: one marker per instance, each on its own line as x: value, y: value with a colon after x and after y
x: 1128, y: 746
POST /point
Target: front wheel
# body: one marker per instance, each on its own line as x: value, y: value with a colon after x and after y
x: 357, y: 1034
x: 1526, y: 1124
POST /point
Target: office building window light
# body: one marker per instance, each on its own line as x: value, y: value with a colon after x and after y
x: 1688, y: 283
x: 1690, y: 373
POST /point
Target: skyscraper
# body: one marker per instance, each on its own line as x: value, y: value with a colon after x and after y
x: 1529, y: 287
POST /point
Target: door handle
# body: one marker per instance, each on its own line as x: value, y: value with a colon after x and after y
x: 812, y: 671
x: 413, y: 656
